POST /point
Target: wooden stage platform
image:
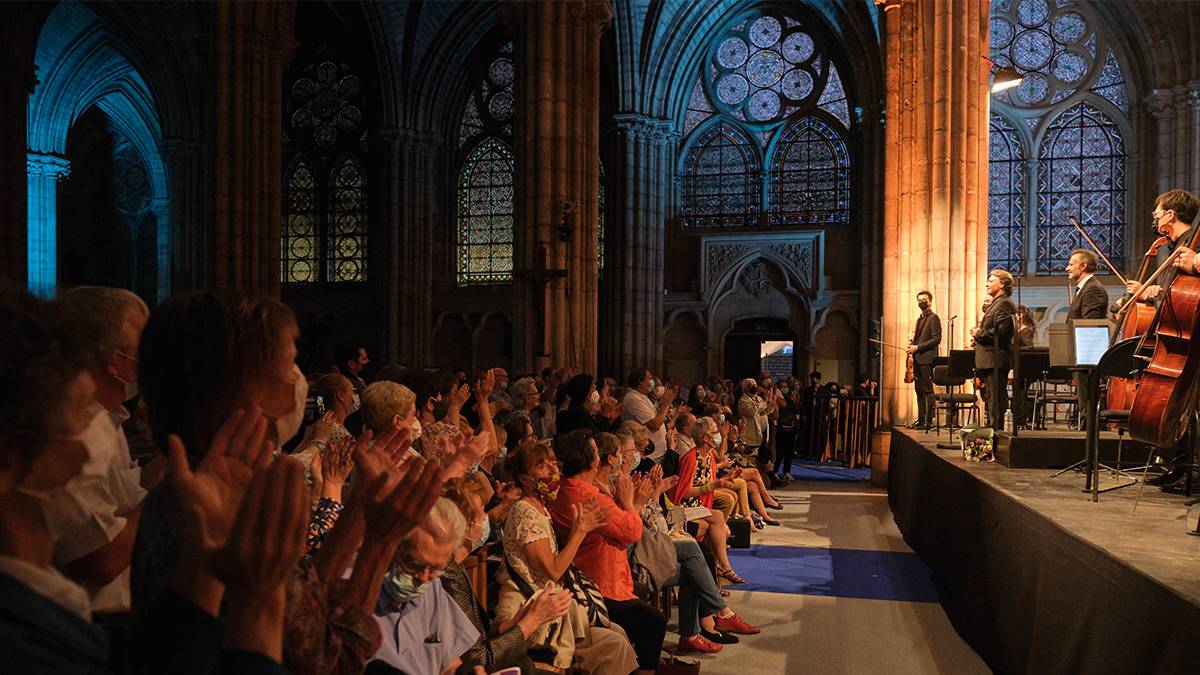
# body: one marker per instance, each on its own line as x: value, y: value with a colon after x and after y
x: 1039, y: 579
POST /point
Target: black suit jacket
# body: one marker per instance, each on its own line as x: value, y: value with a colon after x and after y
x: 927, y: 340
x: 993, y: 338
x: 1091, y: 301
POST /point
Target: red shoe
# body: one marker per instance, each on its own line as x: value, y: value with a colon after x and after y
x: 736, y: 624
x: 698, y: 643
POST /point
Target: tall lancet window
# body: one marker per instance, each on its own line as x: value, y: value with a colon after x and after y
x: 765, y: 128
x: 324, y: 229
x: 484, y: 244
x: 1060, y: 140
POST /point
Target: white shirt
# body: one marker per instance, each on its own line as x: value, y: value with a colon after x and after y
x: 636, y: 406
x: 49, y: 582
x: 1083, y: 280
x: 90, y: 511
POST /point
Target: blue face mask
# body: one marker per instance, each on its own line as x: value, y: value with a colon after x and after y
x: 401, y: 587
x: 486, y: 531
x: 701, y: 394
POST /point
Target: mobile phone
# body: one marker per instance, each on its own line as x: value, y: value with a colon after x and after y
x: 320, y: 403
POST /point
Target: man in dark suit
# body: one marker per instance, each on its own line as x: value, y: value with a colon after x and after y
x: 1090, y: 301
x: 924, y: 348
x: 993, y: 344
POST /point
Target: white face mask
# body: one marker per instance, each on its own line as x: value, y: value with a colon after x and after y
x: 416, y: 428
x: 288, y: 425
x: 594, y: 397
x: 354, y: 405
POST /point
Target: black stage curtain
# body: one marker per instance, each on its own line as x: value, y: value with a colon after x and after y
x: 1027, y: 595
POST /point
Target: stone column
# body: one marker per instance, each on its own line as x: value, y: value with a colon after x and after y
x: 161, y: 208
x: 189, y: 232
x: 1159, y: 105
x: 935, y: 176
x: 1193, y: 112
x: 251, y: 46
x: 44, y: 172
x: 636, y: 241
x: 20, y: 25
x: 557, y: 137
x: 410, y: 174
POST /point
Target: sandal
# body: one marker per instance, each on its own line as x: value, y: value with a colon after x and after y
x: 724, y: 593
x: 731, y: 576
x: 775, y: 507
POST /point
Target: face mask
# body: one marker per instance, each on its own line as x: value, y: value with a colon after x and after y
x: 659, y: 391
x: 288, y: 425
x: 923, y: 305
x: 716, y: 439
x: 401, y: 587
x: 416, y: 428
x: 131, y: 388
x: 547, y: 488
x: 650, y: 387
x: 354, y: 405
x: 701, y: 394
x: 502, y: 453
x: 485, y: 532
x: 783, y: 390
x: 594, y: 398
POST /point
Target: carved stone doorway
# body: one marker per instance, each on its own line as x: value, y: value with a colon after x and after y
x: 743, y: 345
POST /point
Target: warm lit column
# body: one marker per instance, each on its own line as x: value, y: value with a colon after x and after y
x: 558, y: 138
x: 253, y: 41
x: 935, y: 175
x: 44, y: 173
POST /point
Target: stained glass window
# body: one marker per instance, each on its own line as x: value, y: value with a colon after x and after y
x: 810, y: 176
x: 767, y: 80
x: 347, y: 236
x: 1072, y: 74
x: 489, y: 107
x: 600, y: 221
x: 324, y: 229
x: 300, y: 216
x: 1006, y: 196
x: 1082, y: 174
x: 485, y: 215
x: 721, y: 179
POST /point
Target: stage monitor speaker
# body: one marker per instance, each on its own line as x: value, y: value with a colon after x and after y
x: 1060, y: 345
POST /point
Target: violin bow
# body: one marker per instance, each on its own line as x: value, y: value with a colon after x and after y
x: 885, y: 344
x: 1096, y: 248
x: 1137, y: 292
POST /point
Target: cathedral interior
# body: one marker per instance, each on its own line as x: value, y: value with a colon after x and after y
x: 596, y: 183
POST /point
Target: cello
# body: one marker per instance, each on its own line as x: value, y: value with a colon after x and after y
x: 1168, y: 387
x: 1137, y: 321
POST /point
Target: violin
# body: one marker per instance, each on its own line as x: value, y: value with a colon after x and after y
x: 1121, y: 390
x: 1167, y: 389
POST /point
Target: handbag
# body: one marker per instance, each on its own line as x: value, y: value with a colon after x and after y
x: 584, y: 590
x: 652, y: 559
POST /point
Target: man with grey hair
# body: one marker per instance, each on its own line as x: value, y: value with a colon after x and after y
x: 94, y: 519
x: 424, y: 630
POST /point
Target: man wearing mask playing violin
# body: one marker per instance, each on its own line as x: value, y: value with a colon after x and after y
x: 924, y: 348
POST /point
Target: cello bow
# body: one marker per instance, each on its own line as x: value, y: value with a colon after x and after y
x: 1096, y: 248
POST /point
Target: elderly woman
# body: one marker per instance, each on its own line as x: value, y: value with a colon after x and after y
x: 602, y: 555
x: 533, y: 560
x: 697, y: 481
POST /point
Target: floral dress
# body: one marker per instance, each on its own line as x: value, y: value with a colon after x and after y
x: 703, y: 475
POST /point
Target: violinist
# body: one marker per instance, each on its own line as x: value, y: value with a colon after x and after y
x: 924, y: 348
x: 1088, y: 302
x: 993, y: 344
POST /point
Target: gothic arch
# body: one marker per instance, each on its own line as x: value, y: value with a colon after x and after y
x: 83, y: 65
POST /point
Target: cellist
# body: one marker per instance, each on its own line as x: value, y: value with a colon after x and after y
x: 1174, y: 211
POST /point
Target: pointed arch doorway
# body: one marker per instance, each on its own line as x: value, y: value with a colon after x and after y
x: 760, y: 344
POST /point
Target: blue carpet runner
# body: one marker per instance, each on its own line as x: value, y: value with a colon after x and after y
x: 834, y: 572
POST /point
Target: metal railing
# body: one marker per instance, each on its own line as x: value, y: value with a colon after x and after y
x: 837, y: 428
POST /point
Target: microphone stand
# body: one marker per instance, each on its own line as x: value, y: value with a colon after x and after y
x: 1018, y: 322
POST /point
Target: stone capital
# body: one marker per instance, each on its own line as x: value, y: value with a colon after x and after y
x: 52, y: 166
x: 1159, y: 103
x: 637, y: 126
x: 407, y: 136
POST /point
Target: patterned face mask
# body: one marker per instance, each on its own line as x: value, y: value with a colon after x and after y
x: 547, y: 488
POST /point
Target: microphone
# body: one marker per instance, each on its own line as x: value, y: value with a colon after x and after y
x: 954, y: 317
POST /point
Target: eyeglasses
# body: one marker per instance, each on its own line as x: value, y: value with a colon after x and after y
x: 416, y: 568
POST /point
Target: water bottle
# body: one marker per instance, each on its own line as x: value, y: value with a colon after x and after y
x: 1008, y: 421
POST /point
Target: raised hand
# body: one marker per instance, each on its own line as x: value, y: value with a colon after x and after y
x: 609, y: 407
x: 464, y: 452
x: 336, y: 461
x: 668, y: 484
x: 623, y: 491
x: 485, y: 385
x: 322, y: 428
x: 459, y: 396
x: 588, y: 516
x: 395, y: 501
x: 212, y: 493
x: 267, y: 536
x: 547, y: 606
x: 644, y: 488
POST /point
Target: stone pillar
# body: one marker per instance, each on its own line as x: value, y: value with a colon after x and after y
x: 161, y: 208
x: 251, y: 46
x: 189, y: 232
x: 1159, y: 104
x: 935, y: 176
x: 636, y: 241
x: 1193, y: 112
x: 20, y: 25
x: 44, y: 172
x: 410, y: 173
x: 557, y: 136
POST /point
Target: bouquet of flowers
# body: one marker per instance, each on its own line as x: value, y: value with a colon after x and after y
x: 977, y: 445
